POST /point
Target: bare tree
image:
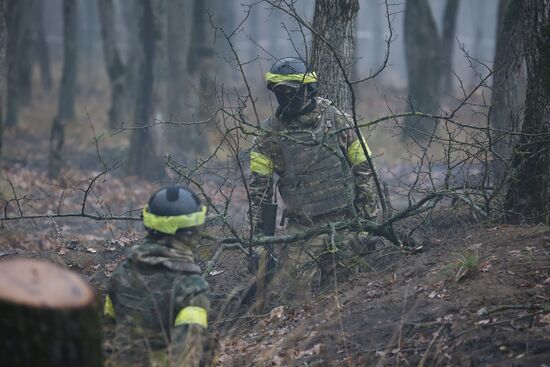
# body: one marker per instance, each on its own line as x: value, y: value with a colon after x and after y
x: 25, y: 53
x: 447, y: 43
x: 333, y: 43
x: 193, y: 62
x: 41, y: 52
x: 15, y: 29
x: 528, y: 196
x: 180, y: 90
x: 178, y: 42
x: 129, y: 18
x: 422, y: 53
x: 508, y: 84
x: 65, y: 107
x: 113, y: 62
x: 3, y: 37
x: 207, y: 74
x: 143, y: 159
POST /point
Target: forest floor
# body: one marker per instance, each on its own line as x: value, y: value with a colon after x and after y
x: 475, y: 294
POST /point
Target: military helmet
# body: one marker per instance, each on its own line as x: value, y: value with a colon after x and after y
x: 292, y: 72
x: 173, y: 208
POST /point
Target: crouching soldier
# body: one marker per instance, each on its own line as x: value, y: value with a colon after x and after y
x: 157, y: 295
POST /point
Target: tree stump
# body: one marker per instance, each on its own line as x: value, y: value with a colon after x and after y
x: 48, y: 316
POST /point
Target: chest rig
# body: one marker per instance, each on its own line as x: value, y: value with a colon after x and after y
x: 317, y: 178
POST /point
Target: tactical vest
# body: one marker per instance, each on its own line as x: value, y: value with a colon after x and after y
x: 317, y: 178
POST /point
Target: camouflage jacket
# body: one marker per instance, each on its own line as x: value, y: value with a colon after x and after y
x: 160, y: 302
x: 267, y: 158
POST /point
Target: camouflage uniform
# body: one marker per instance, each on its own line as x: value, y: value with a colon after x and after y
x: 160, y: 302
x: 323, y: 177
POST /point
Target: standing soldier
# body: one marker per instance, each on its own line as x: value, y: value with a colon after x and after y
x: 323, y: 175
x: 157, y: 295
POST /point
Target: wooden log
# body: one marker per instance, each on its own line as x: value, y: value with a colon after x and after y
x: 48, y: 316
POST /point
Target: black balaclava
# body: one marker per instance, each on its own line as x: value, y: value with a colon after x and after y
x: 292, y: 101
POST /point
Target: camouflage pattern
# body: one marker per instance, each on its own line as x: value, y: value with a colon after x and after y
x: 319, y: 261
x: 268, y: 144
x: 326, y: 254
x: 148, y: 289
x: 317, y: 178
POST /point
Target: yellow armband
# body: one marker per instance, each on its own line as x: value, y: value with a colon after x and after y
x: 261, y: 164
x: 192, y: 315
x: 355, y: 153
x: 108, y: 309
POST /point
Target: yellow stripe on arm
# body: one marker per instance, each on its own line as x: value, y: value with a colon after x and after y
x: 261, y: 164
x: 108, y: 309
x: 192, y: 315
x: 355, y: 153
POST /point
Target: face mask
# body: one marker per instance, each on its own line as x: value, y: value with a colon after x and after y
x: 291, y: 100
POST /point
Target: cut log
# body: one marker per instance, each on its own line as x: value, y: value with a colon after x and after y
x: 48, y: 316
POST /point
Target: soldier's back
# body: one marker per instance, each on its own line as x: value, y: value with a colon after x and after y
x: 147, y: 290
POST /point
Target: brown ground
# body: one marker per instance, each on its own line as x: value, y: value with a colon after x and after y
x: 421, y: 309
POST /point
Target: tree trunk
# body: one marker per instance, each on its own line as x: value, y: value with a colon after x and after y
x: 3, y: 36
x: 508, y: 90
x: 334, y: 22
x: 480, y: 11
x: 143, y: 159
x: 113, y: 62
x: 376, y: 27
x: 422, y: 53
x: 68, y: 77
x: 129, y: 17
x: 179, y: 87
x: 86, y: 40
x: 208, y: 103
x: 14, y: 37
x: 528, y: 196
x: 42, y: 54
x: 48, y: 316
x: 26, y: 53
x: 65, y: 107
x: 226, y: 17
x: 199, y: 59
x: 178, y: 39
x: 160, y: 64
x: 448, y: 43
x: 199, y: 10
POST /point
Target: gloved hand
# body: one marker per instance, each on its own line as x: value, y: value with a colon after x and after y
x: 253, y: 261
x: 368, y: 241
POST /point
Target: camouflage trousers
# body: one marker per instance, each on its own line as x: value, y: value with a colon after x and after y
x: 317, y: 263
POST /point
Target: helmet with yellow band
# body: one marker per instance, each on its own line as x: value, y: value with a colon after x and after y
x: 292, y: 72
x: 173, y: 209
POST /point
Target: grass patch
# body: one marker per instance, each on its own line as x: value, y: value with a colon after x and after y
x: 466, y: 264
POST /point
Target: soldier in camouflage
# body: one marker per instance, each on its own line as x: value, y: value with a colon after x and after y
x: 157, y: 295
x: 323, y: 176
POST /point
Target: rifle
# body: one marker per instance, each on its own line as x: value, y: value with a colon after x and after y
x: 269, y: 219
x: 267, y: 263
x: 264, y: 265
